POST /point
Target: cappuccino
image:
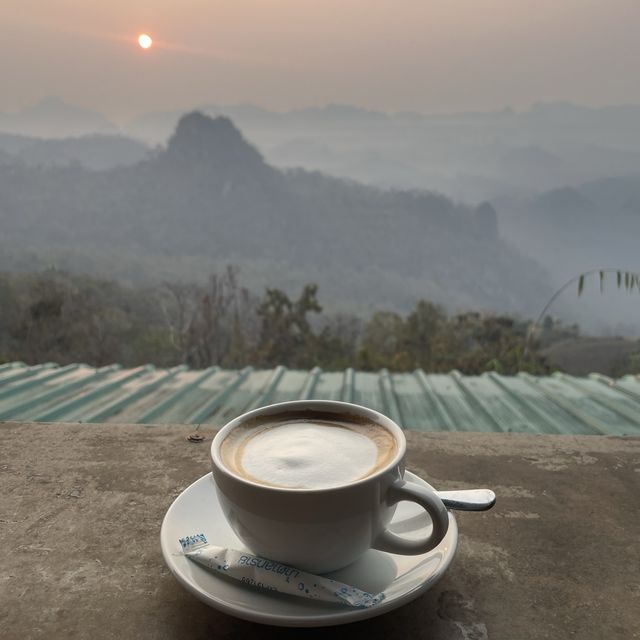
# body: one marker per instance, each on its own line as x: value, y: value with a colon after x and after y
x: 307, y: 452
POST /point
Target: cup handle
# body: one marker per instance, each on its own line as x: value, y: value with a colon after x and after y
x: 428, y: 500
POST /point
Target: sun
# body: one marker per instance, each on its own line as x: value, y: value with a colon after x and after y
x: 144, y: 40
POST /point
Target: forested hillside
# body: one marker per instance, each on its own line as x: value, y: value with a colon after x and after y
x: 210, y: 196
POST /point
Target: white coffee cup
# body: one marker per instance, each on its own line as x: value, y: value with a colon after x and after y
x: 324, y: 529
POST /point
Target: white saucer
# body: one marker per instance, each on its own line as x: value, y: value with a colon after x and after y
x: 402, y: 578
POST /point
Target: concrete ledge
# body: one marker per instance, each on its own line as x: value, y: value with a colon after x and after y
x: 81, y: 507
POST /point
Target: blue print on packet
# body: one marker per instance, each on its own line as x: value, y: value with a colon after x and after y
x: 273, y: 576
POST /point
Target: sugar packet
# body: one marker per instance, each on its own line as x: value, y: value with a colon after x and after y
x: 273, y: 576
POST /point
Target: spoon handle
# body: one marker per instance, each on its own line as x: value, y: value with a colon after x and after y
x: 468, y: 499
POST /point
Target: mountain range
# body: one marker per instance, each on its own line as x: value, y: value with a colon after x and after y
x: 470, y: 156
x: 210, y: 198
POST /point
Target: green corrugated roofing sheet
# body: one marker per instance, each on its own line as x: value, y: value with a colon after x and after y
x: 428, y: 402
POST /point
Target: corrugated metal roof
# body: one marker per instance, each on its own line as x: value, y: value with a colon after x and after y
x: 428, y: 402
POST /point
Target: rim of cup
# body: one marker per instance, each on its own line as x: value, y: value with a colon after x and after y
x: 328, y: 406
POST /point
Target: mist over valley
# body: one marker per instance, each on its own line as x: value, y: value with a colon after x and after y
x: 367, y: 204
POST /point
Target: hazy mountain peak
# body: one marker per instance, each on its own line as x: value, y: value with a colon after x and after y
x: 212, y: 142
x: 49, y: 105
x: 51, y: 117
x: 54, y: 111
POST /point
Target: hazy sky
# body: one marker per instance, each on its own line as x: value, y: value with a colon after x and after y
x: 423, y: 55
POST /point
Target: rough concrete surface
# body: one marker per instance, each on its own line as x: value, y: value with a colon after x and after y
x: 81, y: 508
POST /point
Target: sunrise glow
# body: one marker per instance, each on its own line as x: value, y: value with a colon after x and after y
x: 145, y: 40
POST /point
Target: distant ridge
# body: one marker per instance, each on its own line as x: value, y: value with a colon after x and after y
x: 53, y: 118
x: 93, y: 151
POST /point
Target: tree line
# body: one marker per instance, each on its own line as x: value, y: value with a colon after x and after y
x: 54, y: 316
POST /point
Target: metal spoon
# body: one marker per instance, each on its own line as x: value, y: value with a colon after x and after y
x: 468, y: 499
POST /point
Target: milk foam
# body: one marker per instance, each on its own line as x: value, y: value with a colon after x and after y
x: 308, y: 454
